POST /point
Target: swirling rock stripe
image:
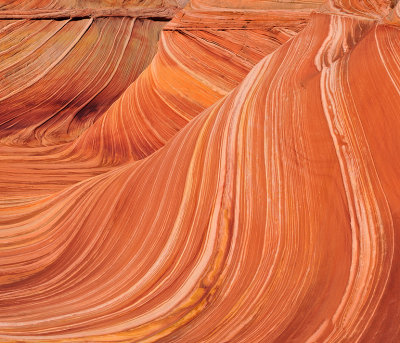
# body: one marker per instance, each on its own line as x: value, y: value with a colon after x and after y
x: 177, y: 87
x: 375, y: 9
x: 270, y: 217
x: 57, y: 77
x: 174, y: 89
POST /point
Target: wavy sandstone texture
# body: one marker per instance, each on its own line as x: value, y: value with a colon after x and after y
x: 246, y: 191
x: 173, y: 90
x: 58, y: 76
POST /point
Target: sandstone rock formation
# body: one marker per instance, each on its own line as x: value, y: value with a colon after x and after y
x: 242, y: 189
x: 173, y: 90
x: 61, y: 69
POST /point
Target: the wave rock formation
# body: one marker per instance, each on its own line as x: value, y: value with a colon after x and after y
x: 231, y: 175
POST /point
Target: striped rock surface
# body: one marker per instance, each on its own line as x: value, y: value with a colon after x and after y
x: 61, y: 69
x: 177, y: 86
x: 174, y: 89
x: 57, y: 77
x: 83, y: 4
x: 272, y: 216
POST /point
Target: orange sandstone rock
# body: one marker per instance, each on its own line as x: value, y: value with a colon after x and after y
x: 174, y: 89
x: 270, y: 216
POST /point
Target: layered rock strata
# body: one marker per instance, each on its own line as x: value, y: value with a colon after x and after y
x: 272, y: 215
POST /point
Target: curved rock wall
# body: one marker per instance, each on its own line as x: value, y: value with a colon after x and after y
x: 258, y: 205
